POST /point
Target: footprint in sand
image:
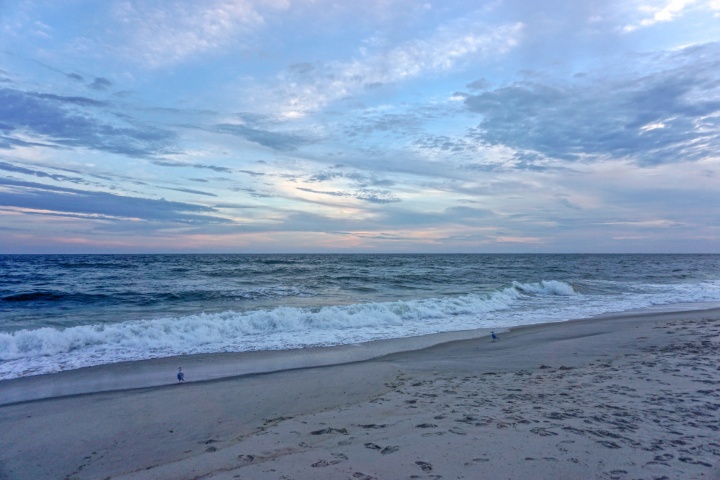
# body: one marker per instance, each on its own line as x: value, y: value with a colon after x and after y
x: 608, y: 444
x: 362, y: 476
x: 330, y: 430
x: 693, y: 461
x: 617, y: 474
x: 426, y: 467
x: 384, y: 451
x: 324, y: 463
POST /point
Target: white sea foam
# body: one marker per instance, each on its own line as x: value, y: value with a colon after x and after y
x: 552, y: 287
x: 45, y: 350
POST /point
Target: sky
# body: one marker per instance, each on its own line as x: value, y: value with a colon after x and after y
x: 309, y: 126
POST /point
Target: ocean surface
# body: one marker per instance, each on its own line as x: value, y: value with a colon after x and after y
x: 61, y: 312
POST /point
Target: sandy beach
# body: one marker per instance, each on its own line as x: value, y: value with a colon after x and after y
x: 627, y: 397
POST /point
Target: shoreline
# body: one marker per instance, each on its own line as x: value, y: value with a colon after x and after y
x: 208, y: 367
x: 631, y: 396
x: 204, y: 367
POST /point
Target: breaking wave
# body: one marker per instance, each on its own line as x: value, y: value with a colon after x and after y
x: 278, y: 328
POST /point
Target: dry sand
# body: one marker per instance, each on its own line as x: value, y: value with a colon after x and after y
x: 632, y: 397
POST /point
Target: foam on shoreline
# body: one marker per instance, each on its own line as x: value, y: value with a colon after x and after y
x: 206, y: 367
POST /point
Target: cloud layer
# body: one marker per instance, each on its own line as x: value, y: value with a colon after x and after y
x: 667, y: 115
x: 314, y: 125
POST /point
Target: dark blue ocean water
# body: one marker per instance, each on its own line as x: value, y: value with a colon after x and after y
x: 68, y: 311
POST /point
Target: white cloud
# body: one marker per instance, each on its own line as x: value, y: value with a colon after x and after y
x: 309, y: 88
x: 661, y: 223
x: 661, y: 11
x: 171, y: 32
x: 652, y: 126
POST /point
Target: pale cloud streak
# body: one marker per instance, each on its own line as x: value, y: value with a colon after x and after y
x: 306, y: 88
x: 169, y: 33
x: 661, y: 11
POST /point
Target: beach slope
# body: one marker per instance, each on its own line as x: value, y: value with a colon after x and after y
x: 616, y: 397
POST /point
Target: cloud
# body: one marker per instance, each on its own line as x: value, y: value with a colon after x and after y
x: 280, y: 141
x: 469, y: 214
x: 190, y: 190
x: 656, y: 223
x: 67, y: 201
x: 365, y: 194
x: 444, y: 143
x: 360, y: 179
x: 9, y: 143
x: 72, y: 121
x: 166, y: 33
x: 310, y: 87
x: 8, y: 167
x: 60, y: 99
x: 386, y: 123
x: 100, y: 83
x: 215, y: 168
x: 668, y: 114
x: 663, y: 11
x: 376, y: 196
x: 481, y: 84
x: 252, y: 192
x: 349, y: 122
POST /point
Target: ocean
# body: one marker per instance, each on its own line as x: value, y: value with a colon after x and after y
x: 63, y: 312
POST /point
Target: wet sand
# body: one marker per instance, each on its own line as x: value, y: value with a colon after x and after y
x: 613, y: 398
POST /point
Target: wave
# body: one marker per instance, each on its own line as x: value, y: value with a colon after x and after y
x: 156, y: 297
x: 45, y: 350
x: 48, y: 296
x: 231, y: 330
x: 33, y: 297
x: 552, y: 287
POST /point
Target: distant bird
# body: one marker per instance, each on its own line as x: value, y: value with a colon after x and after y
x: 180, y: 375
x: 494, y: 337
